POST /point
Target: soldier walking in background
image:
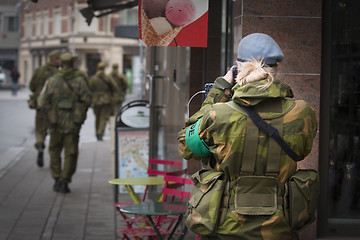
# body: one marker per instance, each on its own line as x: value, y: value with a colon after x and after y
x: 67, y: 97
x: 122, y: 84
x: 36, y: 84
x: 103, y: 90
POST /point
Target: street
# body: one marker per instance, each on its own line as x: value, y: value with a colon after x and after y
x: 16, y: 122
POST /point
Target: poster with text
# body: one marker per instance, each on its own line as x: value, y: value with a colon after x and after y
x: 181, y: 23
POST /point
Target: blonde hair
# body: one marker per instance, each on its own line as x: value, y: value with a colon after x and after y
x: 256, y: 70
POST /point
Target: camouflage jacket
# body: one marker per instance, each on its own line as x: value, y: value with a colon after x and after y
x: 122, y: 85
x: 40, y: 76
x: 223, y: 126
x: 103, y: 89
x: 67, y: 98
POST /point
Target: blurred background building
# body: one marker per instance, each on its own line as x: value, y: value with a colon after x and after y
x: 53, y: 24
x: 9, y: 38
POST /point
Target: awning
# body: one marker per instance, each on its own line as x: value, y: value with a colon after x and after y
x: 106, y: 6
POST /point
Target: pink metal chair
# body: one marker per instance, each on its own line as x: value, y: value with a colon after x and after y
x: 157, y: 167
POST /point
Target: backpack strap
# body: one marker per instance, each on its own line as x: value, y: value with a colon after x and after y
x: 72, y: 89
x: 68, y: 84
x: 250, y: 148
x: 274, y: 153
x: 270, y: 131
x: 106, y: 83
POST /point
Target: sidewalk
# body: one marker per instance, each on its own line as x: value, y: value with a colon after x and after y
x: 30, y: 209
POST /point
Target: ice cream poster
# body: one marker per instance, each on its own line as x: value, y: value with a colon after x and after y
x: 181, y: 23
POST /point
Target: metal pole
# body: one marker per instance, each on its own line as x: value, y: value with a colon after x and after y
x: 73, y: 51
x: 116, y: 187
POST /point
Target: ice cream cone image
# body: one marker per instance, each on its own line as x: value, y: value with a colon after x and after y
x: 157, y: 31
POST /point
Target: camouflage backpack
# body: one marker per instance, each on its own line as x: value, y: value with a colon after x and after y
x: 79, y: 108
x: 205, y: 202
x: 302, y: 189
x: 38, y: 80
x: 68, y: 105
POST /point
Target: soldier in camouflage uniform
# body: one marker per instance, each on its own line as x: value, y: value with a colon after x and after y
x: 223, y: 125
x: 67, y: 97
x: 122, y: 84
x: 103, y: 90
x: 36, y: 84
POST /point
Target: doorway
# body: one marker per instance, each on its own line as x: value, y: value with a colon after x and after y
x: 339, y: 211
x: 92, y: 59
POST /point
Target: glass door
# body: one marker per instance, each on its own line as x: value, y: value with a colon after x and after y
x: 343, y: 125
x: 168, y: 81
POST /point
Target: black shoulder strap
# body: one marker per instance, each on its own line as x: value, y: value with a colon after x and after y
x: 270, y: 131
x: 72, y: 89
x: 68, y: 84
x: 107, y: 83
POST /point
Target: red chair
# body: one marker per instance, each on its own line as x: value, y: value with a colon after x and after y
x: 157, y: 167
x: 156, y: 164
x: 177, y: 189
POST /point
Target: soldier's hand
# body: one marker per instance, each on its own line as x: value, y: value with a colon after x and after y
x: 229, y: 76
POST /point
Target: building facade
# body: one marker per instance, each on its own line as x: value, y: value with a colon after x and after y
x: 49, y: 25
x: 9, y: 38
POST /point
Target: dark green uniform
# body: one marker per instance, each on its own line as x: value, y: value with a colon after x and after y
x: 36, y: 84
x: 68, y: 97
x: 224, y: 128
x: 122, y: 84
x: 102, y: 89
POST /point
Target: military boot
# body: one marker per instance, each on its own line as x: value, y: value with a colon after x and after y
x: 64, y: 188
x: 40, y: 157
x: 56, y: 186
